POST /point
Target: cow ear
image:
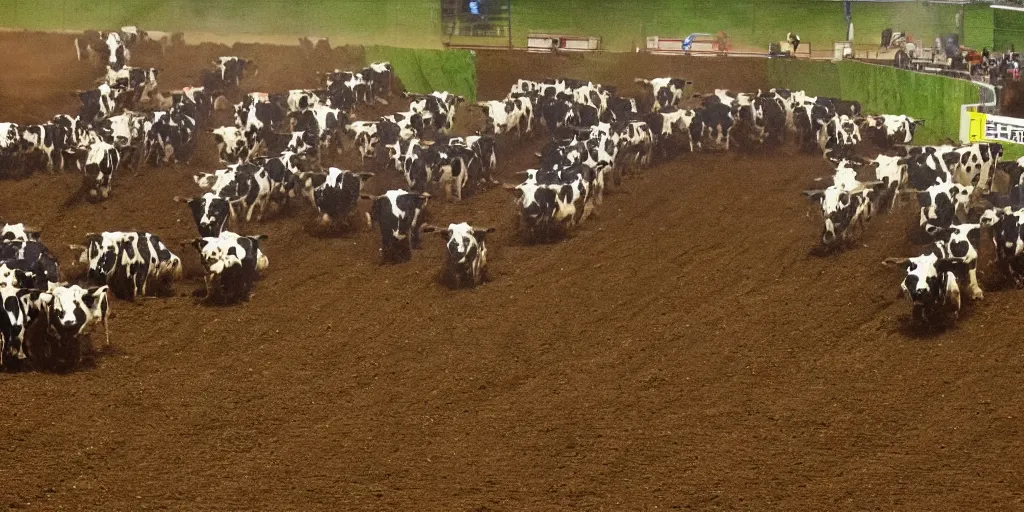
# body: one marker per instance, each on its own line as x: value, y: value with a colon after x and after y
x: 897, y: 262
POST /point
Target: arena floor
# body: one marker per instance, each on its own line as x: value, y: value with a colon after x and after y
x: 684, y: 350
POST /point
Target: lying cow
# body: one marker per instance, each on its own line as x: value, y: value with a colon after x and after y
x: 465, y: 261
x: 131, y: 262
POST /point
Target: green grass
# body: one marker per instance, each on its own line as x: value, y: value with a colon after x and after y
x: 751, y: 24
x: 405, y: 23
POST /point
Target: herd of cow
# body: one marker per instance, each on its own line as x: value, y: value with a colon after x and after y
x: 273, y: 154
x: 952, y: 184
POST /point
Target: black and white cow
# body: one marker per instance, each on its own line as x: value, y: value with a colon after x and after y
x: 620, y: 110
x: 846, y: 207
x: 887, y: 131
x: 638, y: 141
x: 282, y: 173
x: 484, y: 149
x: 10, y: 142
x: 119, y: 55
x: 322, y: 123
x: 505, y: 116
x: 942, y: 204
x: 209, y: 211
x: 365, y: 136
x: 974, y: 164
x: 71, y: 310
x: 925, y: 169
x: 12, y: 327
x: 31, y: 256
x: 548, y: 210
x: 892, y: 172
x: 232, y: 145
x: 667, y: 92
x: 98, y: 103
x: 232, y: 263
x: 43, y: 139
x: 465, y: 261
x: 246, y: 187
x: 301, y: 100
x: 140, y: 83
x: 437, y: 109
x: 131, y: 262
x: 101, y: 160
x: 19, y: 233
x: 931, y: 283
x: 334, y: 194
x: 961, y: 243
x: 717, y: 120
x: 1007, y: 228
x: 170, y: 137
x: 808, y: 121
x: 400, y: 126
x: 232, y: 69
x: 399, y: 214
x: 380, y: 76
x: 70, y: 132
x: 838, y: 137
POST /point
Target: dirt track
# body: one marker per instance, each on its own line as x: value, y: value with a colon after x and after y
x: 683, y: 350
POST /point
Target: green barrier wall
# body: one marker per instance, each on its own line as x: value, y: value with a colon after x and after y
x: 425, y: 71
x: 884, y: 90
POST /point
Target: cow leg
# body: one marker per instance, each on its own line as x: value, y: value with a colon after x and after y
x: 976, y: 291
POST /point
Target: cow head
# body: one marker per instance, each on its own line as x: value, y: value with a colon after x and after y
x: 19, y: 233
x: 72, y: 308
x: 1006, y: 227
x: 929, y: 279
x: 209, y: 212
x: 15, y: 277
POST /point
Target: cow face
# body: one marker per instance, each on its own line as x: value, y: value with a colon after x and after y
x: 69, y: 313
x: 14, y: 278
x: 930, y: 280
x: 19, y: 233
x: 209, y: 212
x: 1006, y: 231
x: 464, y: 242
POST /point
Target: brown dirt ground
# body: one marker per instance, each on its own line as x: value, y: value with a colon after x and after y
x: 682, y: 351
